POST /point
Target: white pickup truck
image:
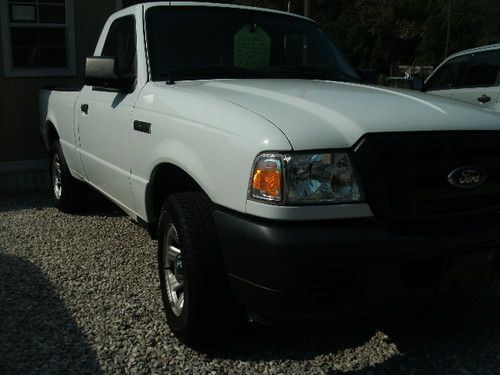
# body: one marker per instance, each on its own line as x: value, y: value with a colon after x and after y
x: 279, y: 186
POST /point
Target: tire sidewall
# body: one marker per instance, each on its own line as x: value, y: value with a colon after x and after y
x: 73, y: 191
x: 168, y: 216
x: 57, y: 152
x: 210, y: 311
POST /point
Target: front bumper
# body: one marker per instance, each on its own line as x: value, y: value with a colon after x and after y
x: 311, y: 269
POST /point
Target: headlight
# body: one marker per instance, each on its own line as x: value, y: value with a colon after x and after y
x: 305, y: 178
x: 321, y: 178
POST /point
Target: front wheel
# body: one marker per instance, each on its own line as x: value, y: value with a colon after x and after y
x: 69, y: 193
x: 196, y: 297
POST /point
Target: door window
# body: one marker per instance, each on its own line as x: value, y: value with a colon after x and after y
x: 448, y: 76
x: 483, y: 70
x: 121, y: 43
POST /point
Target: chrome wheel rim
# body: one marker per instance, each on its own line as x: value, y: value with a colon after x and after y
x: 56, y: 176
x: 173, y: 270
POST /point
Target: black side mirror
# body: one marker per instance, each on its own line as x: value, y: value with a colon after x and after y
x: 102, y: 72
x: 369, y: 76
x: 417, y: 84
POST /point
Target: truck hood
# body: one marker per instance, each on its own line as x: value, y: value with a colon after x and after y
x: 325, y: 114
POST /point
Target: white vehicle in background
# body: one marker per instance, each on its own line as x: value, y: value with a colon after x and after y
x: 278, y: 184
x: 471, y: 76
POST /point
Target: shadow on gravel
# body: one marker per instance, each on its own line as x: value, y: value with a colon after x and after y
x: 298, y: 343
x: 459, y: 336
x: 98, y: 205
x: 21, y: 201
x: 95, y: 205
x: 37, y: 333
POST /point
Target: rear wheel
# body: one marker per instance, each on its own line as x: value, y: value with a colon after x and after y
x: 196, y: 297
x: 69, y: 193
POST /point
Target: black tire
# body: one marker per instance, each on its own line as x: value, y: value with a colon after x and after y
x: 209, y: 311
x: 69, y: 194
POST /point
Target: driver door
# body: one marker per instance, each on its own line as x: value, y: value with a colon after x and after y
x: 104, y: 124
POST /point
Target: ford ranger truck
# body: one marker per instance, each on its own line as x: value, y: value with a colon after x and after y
x: 280, y: 187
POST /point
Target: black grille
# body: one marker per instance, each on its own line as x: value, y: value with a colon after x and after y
x: 405, y: 176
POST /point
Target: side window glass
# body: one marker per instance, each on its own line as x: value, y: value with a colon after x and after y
x: 121, y: 43
x: 448, y: 76
x: 483, y: 70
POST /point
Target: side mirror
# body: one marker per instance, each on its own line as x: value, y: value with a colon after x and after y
x: 417, y: 84
x: 369, y: 76
x: 102, y: 72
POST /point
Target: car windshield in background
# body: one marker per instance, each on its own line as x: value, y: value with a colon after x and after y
x: 207, y: 42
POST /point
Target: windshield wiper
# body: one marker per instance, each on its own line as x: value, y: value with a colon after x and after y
x: 210, y: 71
x: 288, y: 71
x: 310, y: 72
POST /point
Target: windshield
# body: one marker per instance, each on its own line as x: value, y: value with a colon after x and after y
x: 201, y: 42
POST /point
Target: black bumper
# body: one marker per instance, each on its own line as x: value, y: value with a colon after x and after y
x: 312, y: 269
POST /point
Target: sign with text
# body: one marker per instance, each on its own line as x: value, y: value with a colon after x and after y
x: 23, y: 13
x: 252, y: 48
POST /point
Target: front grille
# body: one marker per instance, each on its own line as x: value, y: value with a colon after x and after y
x: 405, y: 176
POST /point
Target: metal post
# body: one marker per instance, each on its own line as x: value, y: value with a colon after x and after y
x: 307, y: 8
x: 449, y: 28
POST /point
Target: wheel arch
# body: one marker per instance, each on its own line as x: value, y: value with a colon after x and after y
x: 51, y: 135
x: 166, y: 178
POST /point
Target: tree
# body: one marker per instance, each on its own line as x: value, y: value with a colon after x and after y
x: 380, y: 33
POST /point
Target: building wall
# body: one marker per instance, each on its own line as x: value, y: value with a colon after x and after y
x: 19, y: 137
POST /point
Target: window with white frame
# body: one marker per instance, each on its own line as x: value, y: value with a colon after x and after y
x: 38, y: 37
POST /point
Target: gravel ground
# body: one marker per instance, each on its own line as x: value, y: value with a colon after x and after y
x: 79, y: 294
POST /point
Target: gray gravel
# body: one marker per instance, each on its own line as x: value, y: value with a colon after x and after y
x: 79, y: 294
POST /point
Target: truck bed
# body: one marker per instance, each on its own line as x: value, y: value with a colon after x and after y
x: 57, y: 106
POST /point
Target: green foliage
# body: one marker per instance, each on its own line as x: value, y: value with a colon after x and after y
x: 380, y: 33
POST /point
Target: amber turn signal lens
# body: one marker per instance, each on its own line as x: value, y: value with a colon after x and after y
x: 266, y: 179
x: 268, y: 182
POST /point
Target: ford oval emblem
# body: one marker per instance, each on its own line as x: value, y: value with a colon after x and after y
x: 467, y: 177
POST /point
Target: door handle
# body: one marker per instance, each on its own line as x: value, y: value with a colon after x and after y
x: 141, y: 126
x: 484, y: 99
x: 85, y: 108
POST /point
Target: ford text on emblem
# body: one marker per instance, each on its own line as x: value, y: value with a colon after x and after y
x: 467, y: 177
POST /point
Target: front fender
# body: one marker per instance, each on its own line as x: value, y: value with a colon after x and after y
x: 212, y: 140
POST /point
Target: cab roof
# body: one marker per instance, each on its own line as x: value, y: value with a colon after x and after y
x: 488, y: 47
x: 213, y: 5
